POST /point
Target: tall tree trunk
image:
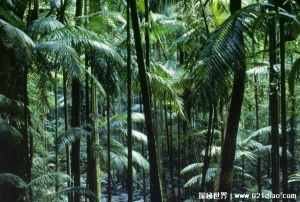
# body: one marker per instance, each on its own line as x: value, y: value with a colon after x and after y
x: 66, y: 117
x: 155, y: 189
x: 229, y: 145
x: 284, y: 159
x: 76, y: 122
x: 76, y: 118
x: 259, y: 188
x: 109, y: 178
x: 207, y: 155
x: 273, y: 78
x: 129, y: 183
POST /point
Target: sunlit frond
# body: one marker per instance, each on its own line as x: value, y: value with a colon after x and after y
x: 191, y: 167
x: 214, y: 151
x: 139, y: 159
x: 194, y: 180
x: 42, y: 26
x: 245, y: 154
x: 119, y: 120
x: 294, y: 177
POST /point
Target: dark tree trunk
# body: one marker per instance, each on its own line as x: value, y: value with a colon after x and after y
x: 229, y: 145
x: 155, y: 189
x: 274, y: 120
x: 76, y: 122
x: 284, y: 159
x: 129, y: 183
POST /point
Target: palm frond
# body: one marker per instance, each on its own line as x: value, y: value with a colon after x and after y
x: 54, y: 54
x: 120, y: 120
x: 17, y: 42
x: 198, y: 134
x: 12, y: 179
x: 49, y: 179
x: 191, y: 167
x: 194, y: 180
x: 70, y: 136
x: 162, y: 86
x: 70, y: 32
x: 245, y: 154
x: 11, y: 17
x: 136, y: 134
x: 222, y: 56
x: 84, y: 39
x: 261, y: 131
x: 99, y: 49
x: 41, y: 27
x: 139, y: 159
x: 294, y: 177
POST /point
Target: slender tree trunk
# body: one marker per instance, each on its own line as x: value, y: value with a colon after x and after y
x: 273, y: 78
x: 76, y: 122
x: 95, y: 142
x: 109, y: 195
x: 207, y: 148
x: 129, y: 183
x: 155, y: 189
x: 229, y: 145
x: 66, y: 128
x: 284, y: 160
x: 259, y: 187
